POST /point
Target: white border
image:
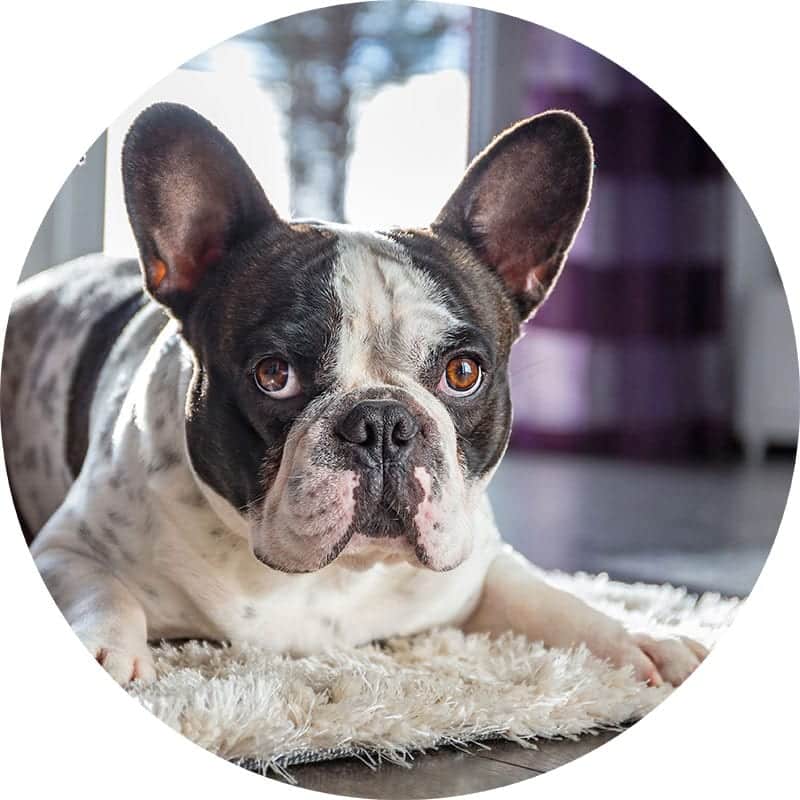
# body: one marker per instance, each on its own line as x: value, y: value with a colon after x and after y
x: 70, y: 68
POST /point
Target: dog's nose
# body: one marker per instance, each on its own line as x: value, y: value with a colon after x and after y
x: 384, y: 428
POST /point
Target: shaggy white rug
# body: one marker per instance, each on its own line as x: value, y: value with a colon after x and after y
x: 387, y: 701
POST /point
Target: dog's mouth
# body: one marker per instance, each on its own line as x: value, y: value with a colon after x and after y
x: 387, y: 499
x: 363, y: 518
x: 385, y: 523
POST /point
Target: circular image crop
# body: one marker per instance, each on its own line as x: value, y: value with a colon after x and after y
x: 392, y: 380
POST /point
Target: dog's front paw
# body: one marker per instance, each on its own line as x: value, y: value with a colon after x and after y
x: 123, y: 657
x: 125, y: 666
x: 657, y: 661
x: 675, y: 658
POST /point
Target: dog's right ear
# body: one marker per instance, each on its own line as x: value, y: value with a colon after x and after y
x: 521, y: 202
x: 191, y: 199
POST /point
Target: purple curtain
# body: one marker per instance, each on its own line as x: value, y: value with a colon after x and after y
x: 627, y: 357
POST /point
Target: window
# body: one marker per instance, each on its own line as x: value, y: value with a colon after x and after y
x: 357, y: 113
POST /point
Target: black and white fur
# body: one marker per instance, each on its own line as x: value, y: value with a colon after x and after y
x: 167, y: 496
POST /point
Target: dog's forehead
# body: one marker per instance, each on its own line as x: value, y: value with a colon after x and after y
x: 393, y: 314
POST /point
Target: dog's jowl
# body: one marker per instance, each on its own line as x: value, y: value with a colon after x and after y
x: 282, y: 432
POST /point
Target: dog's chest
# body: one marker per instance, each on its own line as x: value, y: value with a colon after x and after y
x: 210, y: 585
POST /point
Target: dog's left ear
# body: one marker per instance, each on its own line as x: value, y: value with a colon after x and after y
x: 522, y: 201
x: 191, y: 199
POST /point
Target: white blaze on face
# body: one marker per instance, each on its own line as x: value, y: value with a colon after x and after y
x: 393, y: 317
x: 393, y: 314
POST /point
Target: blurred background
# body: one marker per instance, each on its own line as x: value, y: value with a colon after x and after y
x: 656, y: 393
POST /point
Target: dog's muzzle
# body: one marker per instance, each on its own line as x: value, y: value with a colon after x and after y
x: 368, y: 478
x: 381, y: 436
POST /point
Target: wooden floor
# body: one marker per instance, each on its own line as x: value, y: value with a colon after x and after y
x: 445, y: 772
x: 706, y: 527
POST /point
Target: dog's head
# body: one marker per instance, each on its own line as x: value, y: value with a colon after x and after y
x: 350, y: 396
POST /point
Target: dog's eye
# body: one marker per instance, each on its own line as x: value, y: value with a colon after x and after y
x: 461, y: 377
x: 275, y: 377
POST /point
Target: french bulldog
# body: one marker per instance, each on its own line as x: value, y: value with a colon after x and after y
x: 284, y: 433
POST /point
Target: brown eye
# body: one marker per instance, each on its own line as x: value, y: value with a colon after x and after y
x: 275, y: 377
x: 461, y: 377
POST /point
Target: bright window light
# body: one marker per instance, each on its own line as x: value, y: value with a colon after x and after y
x: 238, y: 106
x: 410, y: 150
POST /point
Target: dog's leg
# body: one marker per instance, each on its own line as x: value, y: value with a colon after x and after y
x: 104, y: 614
x: 515, y: 597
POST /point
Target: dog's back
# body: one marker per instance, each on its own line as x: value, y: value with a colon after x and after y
x: 61, y: 326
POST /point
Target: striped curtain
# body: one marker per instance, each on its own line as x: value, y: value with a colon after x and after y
x: 627, y: 357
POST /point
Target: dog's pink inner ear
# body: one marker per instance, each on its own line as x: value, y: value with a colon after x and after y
x: 186, y: 245
x: 522, y: 201
x: 183, y: 274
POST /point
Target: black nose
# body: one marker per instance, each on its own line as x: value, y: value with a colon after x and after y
x: 384, y: 428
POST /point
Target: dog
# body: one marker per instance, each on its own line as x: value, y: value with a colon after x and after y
x: 282, y: 432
